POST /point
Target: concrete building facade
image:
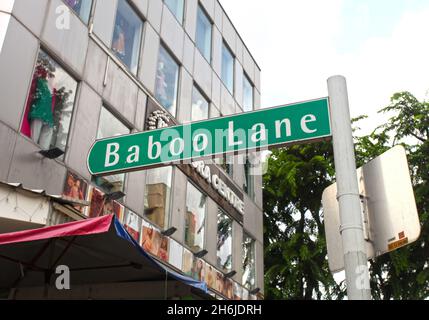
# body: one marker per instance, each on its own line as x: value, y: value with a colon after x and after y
x: 74, y: 71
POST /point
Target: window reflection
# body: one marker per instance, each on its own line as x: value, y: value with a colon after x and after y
x: 110, y: 126
x: 200, y: 106
x: 50, y: 104
x: 195, y: 218
x: 224, y: 241
x: 247, y: 94
x: 127, y: 36
x: 167, y: 78
x: 204, y: 34
x: 248, y: 262
x: 81, y: 7
x: 227, y: 68
x: 157, y: 195
x: 176, y: 7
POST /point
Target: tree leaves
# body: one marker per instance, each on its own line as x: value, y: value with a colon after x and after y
x: 295, y: 248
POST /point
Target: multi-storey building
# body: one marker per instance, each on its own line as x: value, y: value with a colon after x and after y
x: 73, y: 71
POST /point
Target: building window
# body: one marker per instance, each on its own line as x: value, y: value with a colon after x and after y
x: 224, y: 241
x: 200, y: 106
x: 226, y: 163
x: 50, y: 104
x: 248, y: 262
x: 157, y: 195
x: 247, y: 94
x: 204, y: 34
x: 81, y: 7
x: 177, y: 8
x: 110, y: 126
x: 167, y: 80
x: 195, y: 218
x: 127, y: 36
x: 249, y: 186
x: 227, y: 68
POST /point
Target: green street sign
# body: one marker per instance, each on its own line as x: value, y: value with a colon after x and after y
x: 262, y: 129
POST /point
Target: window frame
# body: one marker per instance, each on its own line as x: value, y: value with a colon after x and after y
x: 140, y: 51
x: 185, y: 245
x: 72, y: 75
x: 227, y: 47
x: 170, y: 201
x: 79, y: 17
x: 200, y: 8
x: 221, y: 210
x: 253, y: 241
x: 174, y: 15
x: 163, y: 45
x: 118, y: 117
x: 252, y: 86
x: 201, y: 92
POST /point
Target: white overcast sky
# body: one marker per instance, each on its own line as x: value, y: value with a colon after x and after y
x: 380, y: 46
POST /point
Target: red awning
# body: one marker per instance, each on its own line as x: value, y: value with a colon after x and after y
x: 96, y: 251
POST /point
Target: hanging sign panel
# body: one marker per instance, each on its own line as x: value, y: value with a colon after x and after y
x: 279, y: 126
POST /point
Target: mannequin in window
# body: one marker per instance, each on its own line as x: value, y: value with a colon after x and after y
x: 41, y: 116
x: 119, y: 39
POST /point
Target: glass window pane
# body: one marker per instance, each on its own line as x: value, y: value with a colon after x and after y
x: 204, y: 34
x: 176, y: 7
x: 50, y: 104
x: 81, y: 7
x: 247, y: 94
x: 227, y: 68
x: 195, y: 218
x: 224, y: 241
x: 167, y: 78
x: 249, y: 180
x: 127, y: 36
x: 157, y: 195
x: 110, y: 126
x: 200, y: 106
x: 248, y: 262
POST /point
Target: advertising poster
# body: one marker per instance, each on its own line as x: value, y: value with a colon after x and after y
x: 175, y: 257
x: 75, y: 189
x: 155, y: 243
x: 219, y: 282
x: 210, y: 276
x: 228, y: 288
x: 188, y: 261
x: 100, y: 206
x: 198, y: 269
x: 133, y: 224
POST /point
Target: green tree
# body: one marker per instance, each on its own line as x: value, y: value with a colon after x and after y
x: 295, y: 254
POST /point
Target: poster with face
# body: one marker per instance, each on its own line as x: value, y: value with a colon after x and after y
x: 162, y: 253
x: 198, y: 269
x: 188, y: 260
x: 219, y: 282
x: 155, y: 243
x: 75, y: 189
x: 100, y: 206
x: 210, y: 276
x: 133, y: 224
x: 96, y: 197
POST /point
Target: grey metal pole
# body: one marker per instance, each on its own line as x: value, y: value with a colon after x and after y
x: 355, y: 259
